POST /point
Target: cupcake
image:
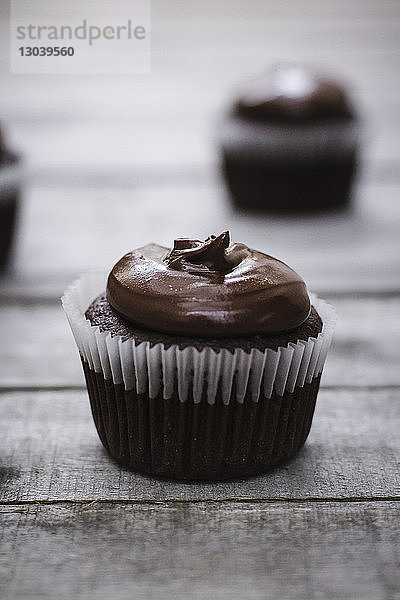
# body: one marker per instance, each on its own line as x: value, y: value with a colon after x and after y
x: 289, y: 144
x: 202, y: 361
x: 10, y: 178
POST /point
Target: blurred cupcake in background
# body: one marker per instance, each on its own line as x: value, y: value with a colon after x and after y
x: 290, y: 143
x: 10, y: 183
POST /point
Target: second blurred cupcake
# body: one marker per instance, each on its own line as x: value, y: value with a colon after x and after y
x: 290, y: 143
x: 10, y: 180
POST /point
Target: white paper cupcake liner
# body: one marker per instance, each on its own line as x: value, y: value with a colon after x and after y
x: 250, y: 140
x: 150, y: 369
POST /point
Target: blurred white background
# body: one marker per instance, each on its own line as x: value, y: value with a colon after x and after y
x: 116, y: 161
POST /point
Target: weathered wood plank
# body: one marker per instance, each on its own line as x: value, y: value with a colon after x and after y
x: 206, y: 550
x: 37, y: 347
x: 65, y: 231
x: 149, y: 156
x: 50, y: 451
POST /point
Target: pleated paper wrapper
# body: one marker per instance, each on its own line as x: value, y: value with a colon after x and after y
x: 150, y: 369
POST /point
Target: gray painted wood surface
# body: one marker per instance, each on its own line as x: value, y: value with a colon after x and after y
x: 50, y: 451
x: 73, y: 523
x: 340, y: 252
x: 206, y: 550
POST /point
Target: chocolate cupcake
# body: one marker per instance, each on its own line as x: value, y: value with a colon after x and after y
x: 10, y: 179
x: 201, y: 362
x: 290, y: 142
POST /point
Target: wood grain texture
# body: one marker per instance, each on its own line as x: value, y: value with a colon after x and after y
x: 73, y: 523
x: 38, y: 349
x: 50, y: 451
x: 65, y: 231
x: 212, y: 550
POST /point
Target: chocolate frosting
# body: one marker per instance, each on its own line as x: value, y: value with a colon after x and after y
x: 207, y: 289
x: 294, y: 93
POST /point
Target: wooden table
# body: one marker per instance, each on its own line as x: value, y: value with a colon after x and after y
x: 115, y: 162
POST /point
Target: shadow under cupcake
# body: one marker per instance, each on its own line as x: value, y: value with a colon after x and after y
x: 201, y: 362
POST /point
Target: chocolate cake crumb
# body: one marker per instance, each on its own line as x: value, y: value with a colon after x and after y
x: 102, y: 315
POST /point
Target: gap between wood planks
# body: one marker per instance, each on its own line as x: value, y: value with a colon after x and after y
x: 228, y: 500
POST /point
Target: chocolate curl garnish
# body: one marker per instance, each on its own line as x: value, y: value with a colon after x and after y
x: 196, y: 256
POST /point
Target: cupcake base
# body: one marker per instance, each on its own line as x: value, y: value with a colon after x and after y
x: 184, y: 412
x: 291, y: 188
x: 199, y: 441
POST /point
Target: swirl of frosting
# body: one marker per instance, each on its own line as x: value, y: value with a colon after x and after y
x: 292, y: 92
x: 207, y: 289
